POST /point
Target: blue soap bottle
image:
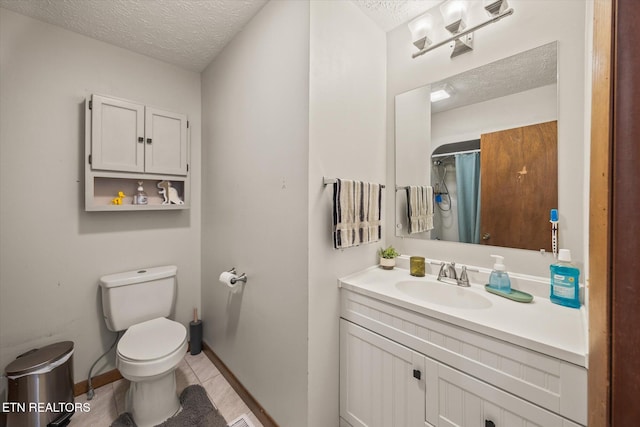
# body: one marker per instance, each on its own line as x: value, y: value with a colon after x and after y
x: 565, y: 281
x: 499, y: 279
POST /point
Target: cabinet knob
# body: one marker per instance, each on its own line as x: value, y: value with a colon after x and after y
x: 489, y: 423
x: 417, y: 374
x: 140, y: 139
x: 148, y: 140
x: 486, y: 236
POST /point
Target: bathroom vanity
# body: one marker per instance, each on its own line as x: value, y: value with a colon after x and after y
x: 418, y: 352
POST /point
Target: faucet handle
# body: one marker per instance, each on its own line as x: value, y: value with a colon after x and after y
x: 441, y: 272
x: 463, y: 280
x: 451, y: 270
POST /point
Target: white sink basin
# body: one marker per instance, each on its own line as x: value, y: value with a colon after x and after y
x: 443, y: 294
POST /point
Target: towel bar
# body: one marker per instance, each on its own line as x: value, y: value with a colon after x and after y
x: 327, y: 181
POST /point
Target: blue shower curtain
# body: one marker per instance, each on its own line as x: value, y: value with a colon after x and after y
x: 468, y: 182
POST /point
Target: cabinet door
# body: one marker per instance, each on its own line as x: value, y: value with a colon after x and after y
x: 382, y: 383
x: 463, y: 401
x: 117, y: 131
x: 165, y: 142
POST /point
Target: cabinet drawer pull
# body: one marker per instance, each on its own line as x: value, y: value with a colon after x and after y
x: 140, y: 139
x: 148, y: 140
x: 488, y: 423
x: 417, y: 374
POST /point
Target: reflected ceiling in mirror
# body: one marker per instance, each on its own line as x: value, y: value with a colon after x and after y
x: 512, y: 93
x: 518, y: 73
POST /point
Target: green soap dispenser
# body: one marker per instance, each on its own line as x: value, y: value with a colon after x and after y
x: 499, y: 278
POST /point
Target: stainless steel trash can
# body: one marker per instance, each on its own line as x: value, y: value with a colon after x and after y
x: 40, y: 387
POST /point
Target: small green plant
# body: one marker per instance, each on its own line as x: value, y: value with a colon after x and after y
x: 388, y: 253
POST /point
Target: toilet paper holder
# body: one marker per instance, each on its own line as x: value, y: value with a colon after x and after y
x: 240, y: 278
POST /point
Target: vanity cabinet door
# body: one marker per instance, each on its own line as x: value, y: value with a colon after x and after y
x: 382, y: 383
x: 463, y: 401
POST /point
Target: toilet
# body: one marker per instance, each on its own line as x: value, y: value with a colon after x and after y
x: 152, y: 347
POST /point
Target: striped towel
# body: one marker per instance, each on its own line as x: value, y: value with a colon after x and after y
x: 356, y: 213
x: 420, y: 208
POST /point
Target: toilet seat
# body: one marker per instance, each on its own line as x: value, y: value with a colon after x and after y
x: 151, y: 348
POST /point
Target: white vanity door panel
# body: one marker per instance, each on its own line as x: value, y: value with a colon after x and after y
x: 464, y: 401
x: 377, y: 383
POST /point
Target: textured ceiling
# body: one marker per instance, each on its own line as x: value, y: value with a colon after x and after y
x: 388, y: 14
x: 527, y: 70
x: 187, y: 33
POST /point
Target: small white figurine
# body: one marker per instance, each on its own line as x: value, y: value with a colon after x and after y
x: 169, y: 193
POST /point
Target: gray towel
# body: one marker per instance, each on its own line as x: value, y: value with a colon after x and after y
x: 357, y: 208
x: 420, y: 208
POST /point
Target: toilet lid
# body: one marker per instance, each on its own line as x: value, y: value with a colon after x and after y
x: 152, y: 339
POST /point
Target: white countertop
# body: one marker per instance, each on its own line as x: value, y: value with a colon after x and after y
x: 541, y: 326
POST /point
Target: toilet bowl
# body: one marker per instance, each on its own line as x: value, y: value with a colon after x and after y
x: 147, y: 355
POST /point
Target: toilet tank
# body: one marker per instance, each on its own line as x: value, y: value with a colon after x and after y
x: 136, y: 296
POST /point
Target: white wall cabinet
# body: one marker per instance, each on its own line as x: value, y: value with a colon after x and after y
x: 127, y: 142
x: 130, y: 137
x: 466, y: 379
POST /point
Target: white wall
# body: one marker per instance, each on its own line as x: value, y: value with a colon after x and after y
x: 346, y: 140
x: 314, y: 107
x: 52, y: 252
x: 255, y: 103
x: 530, y: 26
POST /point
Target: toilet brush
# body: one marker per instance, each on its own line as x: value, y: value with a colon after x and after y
x: 195, y: 334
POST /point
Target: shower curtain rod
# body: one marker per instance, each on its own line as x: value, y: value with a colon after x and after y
x: 453, y: 153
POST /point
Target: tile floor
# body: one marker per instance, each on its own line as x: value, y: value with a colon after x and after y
x: 108, y: 401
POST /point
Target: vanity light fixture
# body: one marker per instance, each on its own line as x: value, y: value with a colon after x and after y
x: 495, y: 7
x: 454, y: 17
x: 421, y: 28
x: 453, y: 14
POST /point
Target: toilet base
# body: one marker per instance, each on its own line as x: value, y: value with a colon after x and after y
x: 152, y: 401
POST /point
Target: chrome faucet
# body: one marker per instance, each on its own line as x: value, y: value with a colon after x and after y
x: 448, y: 274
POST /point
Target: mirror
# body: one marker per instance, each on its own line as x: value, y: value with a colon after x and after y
x: 488, y: 150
